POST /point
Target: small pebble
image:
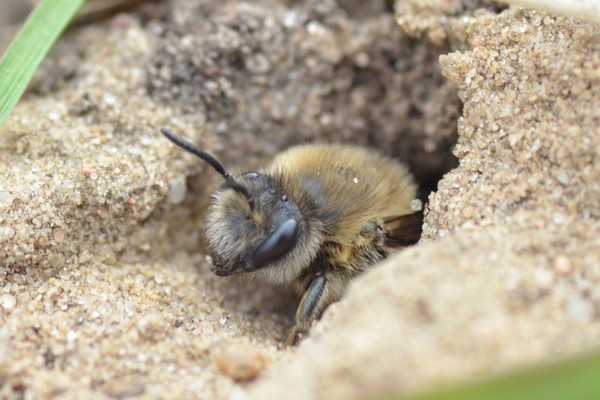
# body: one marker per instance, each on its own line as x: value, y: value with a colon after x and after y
x: 416, y: 205
x: 290, y: 19
x: 109, y: 98
x: 562, y: 177
x: 177, y: 191
x: 362, y: 60
x: 6, y: 198
x: 8, y: 301
x: 59, y: 235
x: 6, y: 233
x: 562, y: 265
x: 558, y: 218
x: 241, y: 362
x: 159, y: 279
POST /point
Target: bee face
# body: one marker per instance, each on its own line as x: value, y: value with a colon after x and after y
x: 246, y: 238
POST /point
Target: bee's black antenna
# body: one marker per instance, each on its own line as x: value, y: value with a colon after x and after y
x: 213, y: 162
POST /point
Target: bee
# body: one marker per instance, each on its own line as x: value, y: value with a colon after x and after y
x: 316, y: 217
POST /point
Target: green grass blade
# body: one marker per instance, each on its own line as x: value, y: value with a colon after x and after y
x: 44, y: 25
x: 574, y: 379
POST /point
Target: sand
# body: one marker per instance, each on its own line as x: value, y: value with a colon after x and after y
x: 105, y: 287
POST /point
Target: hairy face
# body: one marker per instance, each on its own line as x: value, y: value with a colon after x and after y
x: 271, y: 237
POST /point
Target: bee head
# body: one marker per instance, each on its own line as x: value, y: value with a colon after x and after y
x: 251, y: 224
x: 263, y: 237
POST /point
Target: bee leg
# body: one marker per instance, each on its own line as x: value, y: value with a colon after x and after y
x: 309, y: 309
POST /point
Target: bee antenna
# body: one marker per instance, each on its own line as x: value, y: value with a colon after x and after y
x: 230, y: 182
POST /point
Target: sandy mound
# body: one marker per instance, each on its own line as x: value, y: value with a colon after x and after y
x: 105, y: 288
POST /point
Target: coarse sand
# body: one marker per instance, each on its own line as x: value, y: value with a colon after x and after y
x: 105, y: 289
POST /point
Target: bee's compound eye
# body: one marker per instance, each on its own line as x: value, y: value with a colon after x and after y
x: 277, y: 245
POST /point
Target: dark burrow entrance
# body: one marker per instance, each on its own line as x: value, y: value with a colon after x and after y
x: 316, y: 73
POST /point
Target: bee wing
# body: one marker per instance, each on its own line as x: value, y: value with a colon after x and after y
x: 404, y: 230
